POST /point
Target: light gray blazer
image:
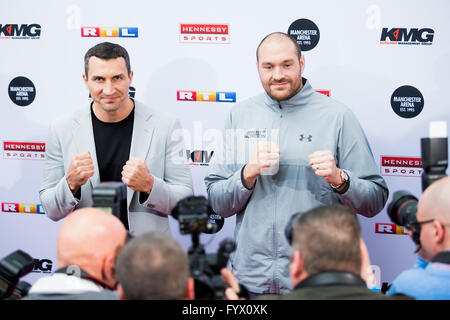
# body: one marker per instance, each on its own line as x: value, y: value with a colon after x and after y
x: 157, y: 138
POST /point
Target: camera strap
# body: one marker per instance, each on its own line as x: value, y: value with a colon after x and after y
x: 442, y: 257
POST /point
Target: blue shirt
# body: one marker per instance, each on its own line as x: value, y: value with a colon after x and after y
x: 425, y: 281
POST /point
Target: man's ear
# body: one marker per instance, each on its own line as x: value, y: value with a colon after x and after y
x: 366, y: 270
x: 302, y: 63
x: 189, y: 294
x: 439, y: 231
x: 109, y: 270
x: 120, y: 291
x: 296, y: 268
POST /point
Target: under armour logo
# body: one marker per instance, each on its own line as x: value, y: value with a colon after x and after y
x: 303, y: 137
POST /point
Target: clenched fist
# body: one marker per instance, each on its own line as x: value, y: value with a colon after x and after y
x: 80, y: 170
x: 324, y: 166
x: 266, y: 156
x: 136, y: 175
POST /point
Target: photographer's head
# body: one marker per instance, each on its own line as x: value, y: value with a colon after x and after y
x: 433, y: 219
x: 91, y: 239
x: 153, y: 266
x: 326, y: 238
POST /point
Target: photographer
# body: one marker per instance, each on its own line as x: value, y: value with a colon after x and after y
x: 430, y: 278
x: 329, y: 258
x: 89, y: 242
x: 153, y: 266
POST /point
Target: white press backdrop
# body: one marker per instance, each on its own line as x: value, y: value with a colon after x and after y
x: 349, y: 61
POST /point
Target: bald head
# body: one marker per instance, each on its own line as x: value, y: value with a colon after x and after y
x: 435, y: 201
x: 279, y: 37
x: 88, y: 237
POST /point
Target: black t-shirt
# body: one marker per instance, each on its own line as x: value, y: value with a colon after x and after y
x: 112, y: 144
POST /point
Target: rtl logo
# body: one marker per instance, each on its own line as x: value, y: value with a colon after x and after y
x: 413, y: 36
x: 22, y: 208
x: 112, y: 32
x: 401, y: 166
x: 208, y: 96
x: 199, y: 157
x: 389, y: 228
x: 43, y: 266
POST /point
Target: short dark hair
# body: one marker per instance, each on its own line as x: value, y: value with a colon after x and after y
x: 280, y: 35
x: 153, y: 266
x: 328, y: 238
x: 107, y: 50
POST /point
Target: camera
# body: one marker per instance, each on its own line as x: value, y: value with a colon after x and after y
x: 196, y: 216
x: 12, y: 268
x: 112, y: 197
x: 403, y: 208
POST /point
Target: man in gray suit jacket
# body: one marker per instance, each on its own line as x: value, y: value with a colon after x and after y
x: 115, y: 139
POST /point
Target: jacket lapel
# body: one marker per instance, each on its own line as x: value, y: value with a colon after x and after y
x: 83, y: 136
x: 141, y: 138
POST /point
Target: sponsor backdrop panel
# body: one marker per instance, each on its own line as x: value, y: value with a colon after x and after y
x: 387, y: 61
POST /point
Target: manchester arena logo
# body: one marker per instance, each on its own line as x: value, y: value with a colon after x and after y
x: 400, y: 166
x: 21, y: 91
x: 204, y: 33
x: 111, y: 32
x: 23, y: 150
x: 407, y: 101
x: 305, y: 32
x: 405, y: 36
x: 20, y: 31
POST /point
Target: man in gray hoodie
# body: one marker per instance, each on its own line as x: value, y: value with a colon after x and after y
x: 284, y: 151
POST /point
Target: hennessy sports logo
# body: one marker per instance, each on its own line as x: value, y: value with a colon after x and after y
x: 24, y: 150
x: 401, y: 166
x: 204, y: 33
x: 22, y: 31
x: 413, y: 36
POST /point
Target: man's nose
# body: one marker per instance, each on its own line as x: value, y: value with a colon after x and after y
x: 109, y: 88
x: 277, y: 73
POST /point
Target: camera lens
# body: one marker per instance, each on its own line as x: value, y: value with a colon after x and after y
x: 403, y: 208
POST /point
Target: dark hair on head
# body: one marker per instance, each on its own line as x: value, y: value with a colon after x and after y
x: 328, y: 238
x: 280, y: 35
x: 107, y: 50
x: 153, y: 266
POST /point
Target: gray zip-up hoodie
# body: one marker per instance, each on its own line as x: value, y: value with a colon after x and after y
x: 305, y: 123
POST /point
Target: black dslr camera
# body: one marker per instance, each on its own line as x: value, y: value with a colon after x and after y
x: 403, y: 208
x: 112, y: 197
x: 12, y: 268
x: 196, y: 216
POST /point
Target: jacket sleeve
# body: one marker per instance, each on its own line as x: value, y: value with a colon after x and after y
x: 368, y: 192
x: 226, y: 192
x: 55, y: 195
x: 177, y: 181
